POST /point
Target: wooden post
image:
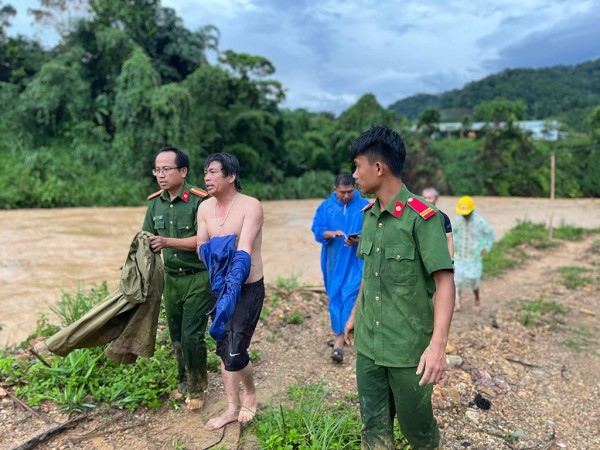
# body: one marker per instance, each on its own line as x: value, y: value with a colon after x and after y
x: 552, y: 191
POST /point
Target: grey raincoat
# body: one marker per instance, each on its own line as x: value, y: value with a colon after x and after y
x: 128, y: 317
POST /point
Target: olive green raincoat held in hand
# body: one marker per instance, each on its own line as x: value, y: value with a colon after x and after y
x: 128, y: 317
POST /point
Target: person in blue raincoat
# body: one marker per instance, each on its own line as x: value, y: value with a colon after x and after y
x: 336, y: 226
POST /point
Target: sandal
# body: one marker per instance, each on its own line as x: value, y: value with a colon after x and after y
x: 337, y: 355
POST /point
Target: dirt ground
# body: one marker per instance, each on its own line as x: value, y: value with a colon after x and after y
x: 541, y: 380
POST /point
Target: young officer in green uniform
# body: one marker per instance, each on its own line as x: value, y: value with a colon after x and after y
x: 399, y: 332
x: 171, y: 217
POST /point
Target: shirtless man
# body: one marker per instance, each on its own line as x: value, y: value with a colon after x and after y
x: 230, y: 212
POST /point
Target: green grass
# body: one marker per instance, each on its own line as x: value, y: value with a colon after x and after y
x: 305, y: 419
x: 511, y: 249
x: 287, y: 283
x: 295, y: 318
x: 573, y: 276
x: 539, y: 312
x: 73, y: 306
x: 583, y: 338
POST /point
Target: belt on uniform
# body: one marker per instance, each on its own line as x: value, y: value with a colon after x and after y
x: 184, y: 273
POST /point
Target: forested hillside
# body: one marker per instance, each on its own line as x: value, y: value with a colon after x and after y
x: 563, y: 92
x: 81, y: 122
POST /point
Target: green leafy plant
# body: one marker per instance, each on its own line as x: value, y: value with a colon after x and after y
x: 255, y: 354
x: 295, y: 318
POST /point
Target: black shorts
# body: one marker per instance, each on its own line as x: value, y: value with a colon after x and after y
x: 233, y: 348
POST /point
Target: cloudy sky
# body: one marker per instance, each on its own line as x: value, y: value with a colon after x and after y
x: 330, y: 52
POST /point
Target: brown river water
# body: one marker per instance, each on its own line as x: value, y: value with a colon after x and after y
x: 51, y: 251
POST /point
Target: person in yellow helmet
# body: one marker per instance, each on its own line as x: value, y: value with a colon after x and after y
x: 473, y: 237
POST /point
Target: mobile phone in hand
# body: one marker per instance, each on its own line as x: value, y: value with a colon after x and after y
x: 354, y: 236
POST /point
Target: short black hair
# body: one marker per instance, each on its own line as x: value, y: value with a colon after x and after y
x: 344, y: 179
x: 229, y: 166
x: 381, y: 143
x: 181, y: 158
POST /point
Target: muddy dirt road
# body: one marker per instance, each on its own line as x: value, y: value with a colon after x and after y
x: 47, y: 252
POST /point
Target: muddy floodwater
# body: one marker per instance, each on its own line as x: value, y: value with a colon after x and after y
x: 50, y: 251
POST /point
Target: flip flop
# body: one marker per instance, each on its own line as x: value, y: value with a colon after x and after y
x: 337, y: 355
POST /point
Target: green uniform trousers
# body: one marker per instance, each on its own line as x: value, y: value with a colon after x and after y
x: 386, y: 391
x: 187, y: 305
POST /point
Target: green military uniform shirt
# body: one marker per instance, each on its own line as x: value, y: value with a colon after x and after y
x: 176, y: 218
x: 401, y: 249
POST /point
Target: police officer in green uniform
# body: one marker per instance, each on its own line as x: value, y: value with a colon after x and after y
x: 171, y: 217
x: 399, y: 332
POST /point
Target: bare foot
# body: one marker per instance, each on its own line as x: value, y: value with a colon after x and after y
x: 194, y: 403
x: 219, y: 422
x: 248, y: 408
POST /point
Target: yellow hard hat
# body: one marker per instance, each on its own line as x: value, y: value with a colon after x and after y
x: 465, y: 206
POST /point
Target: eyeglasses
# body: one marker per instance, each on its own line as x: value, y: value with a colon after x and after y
x: 164, y: 170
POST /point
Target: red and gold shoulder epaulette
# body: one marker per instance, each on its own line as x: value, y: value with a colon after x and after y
x: 421, y: 208
x: 370, y: 205
x: 199, y: 192
x: 156, y: 194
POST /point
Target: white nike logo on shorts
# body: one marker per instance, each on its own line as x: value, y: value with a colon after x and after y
x: 233, y: 354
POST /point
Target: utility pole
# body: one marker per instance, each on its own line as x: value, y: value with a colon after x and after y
x: 552, y: 191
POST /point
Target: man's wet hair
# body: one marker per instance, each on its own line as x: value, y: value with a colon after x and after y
x: 344, y: 179
x: 229, y: 166
x: 381, y: 144
x: 181, y: 158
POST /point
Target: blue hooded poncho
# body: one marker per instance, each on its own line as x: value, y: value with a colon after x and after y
x: 342, y: 269
x: 228, y: 268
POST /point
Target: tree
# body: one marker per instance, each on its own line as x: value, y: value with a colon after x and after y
x: 174, y: 50
x: 500, y: 110
x: 249, y: 83
x: 55, y: 100
x: 429, y: 121
x: 364, y: 114
x: 132, y: 113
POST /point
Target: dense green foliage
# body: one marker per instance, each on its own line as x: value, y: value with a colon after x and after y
x: 83, y: 121
x: 562, y: 92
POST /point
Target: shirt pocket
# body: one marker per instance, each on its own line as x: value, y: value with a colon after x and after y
x: 365, y: 249
x: 400, y: 265
x: 185, y: 228
x: 159, y: 225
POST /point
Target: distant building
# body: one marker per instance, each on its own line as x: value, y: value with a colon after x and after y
x: 538, y: 129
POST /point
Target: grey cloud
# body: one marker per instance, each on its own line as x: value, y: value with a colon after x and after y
x: 571, y: 42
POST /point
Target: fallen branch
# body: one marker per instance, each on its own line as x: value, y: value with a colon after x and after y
x: 587, y: 311
x: 318, y: 290
x: 25, y: 407
x: 46, y: 435
x: 97, y: 433
x: 526, y: 364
